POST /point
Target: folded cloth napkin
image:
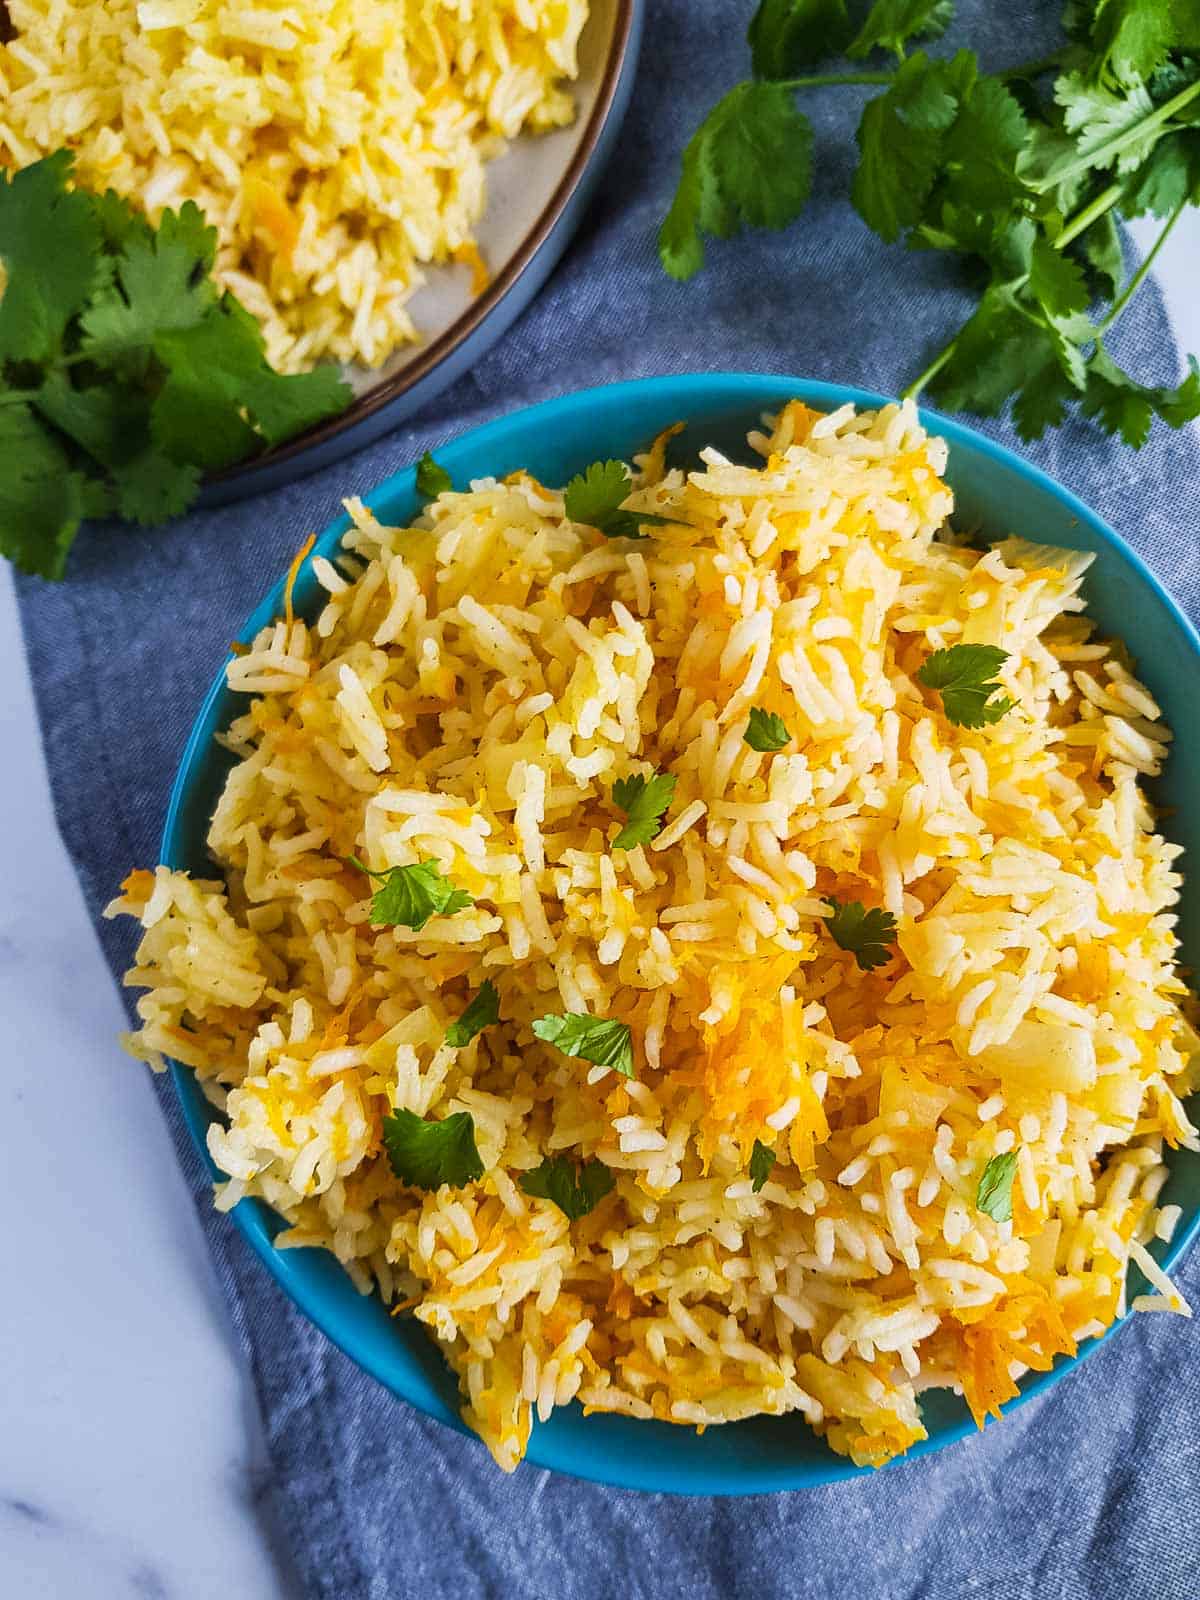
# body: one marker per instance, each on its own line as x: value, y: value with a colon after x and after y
x: 1091, y: 1492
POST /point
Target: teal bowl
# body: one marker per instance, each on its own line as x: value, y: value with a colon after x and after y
x: 996, y: 492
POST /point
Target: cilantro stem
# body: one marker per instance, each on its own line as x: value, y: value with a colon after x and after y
x: 931, y: 371
x: 1103, y: 155
x: 1032, y: 69
x: 1138, y: 278
x: 1104, y: 201
x: 821, y: 79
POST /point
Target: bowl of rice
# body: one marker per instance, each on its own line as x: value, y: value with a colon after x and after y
x: 390, y: 185
x: 674, y: 947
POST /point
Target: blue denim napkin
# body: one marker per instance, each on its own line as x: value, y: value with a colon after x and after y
x: 1091, y: 1493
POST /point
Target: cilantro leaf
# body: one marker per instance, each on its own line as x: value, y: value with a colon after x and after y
x: 49, y: 240
x: 594, y: 497
x: 119, y: 222
x: 574, y: 1189
x: 1042, y: 402
x: 603, y: 1042
x: 194, y: 416
x: 785, y: 35
x: 1107, y: 128
x: 901, y: 138
x: 1168, y: 178
x: 865, y: 934
x: 890, y: 24
x: 762, y: 1159
x: 160, y: 284
x: 1123, y: 406
x: 1005, y: 347
x: 426, y: 1154
x: 216, y: 371
x: 749, y: 161
x: 765, y: 731
x: 107, y: 421
x: 696, y: 208
x: 644, y: 802
x: 41, y: 498
x: 965, y: 674
x: 483, y: 1010
x: 988, y: 360
x: 1056, y: 281
x: 432, y: 478
x: 984, y: 145
x: 1100, y: 247
x: 409, y: 896
x: 1131, y: 37
x: 151, y: 488
x: 994, y: 1195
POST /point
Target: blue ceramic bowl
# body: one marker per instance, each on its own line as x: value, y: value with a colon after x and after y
x: 997, y: 492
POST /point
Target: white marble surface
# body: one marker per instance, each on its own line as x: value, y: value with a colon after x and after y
x: 129, y: 1444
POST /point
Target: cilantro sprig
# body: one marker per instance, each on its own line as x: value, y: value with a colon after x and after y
x: 865, y: 934
x: 644, y: 802
x: 125, y: 374
x: 483, y: 1010
x: 426, y: 1154
x: 994, y: 1194
x: 408, y: 897
x: 1023, y: 173
x: 601, y: 1040
x: 575, y: 1189
x: 596, y: 497
x: 965, y: 675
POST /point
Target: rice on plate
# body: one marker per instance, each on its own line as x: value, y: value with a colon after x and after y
x: 337, y: 147
x: 631, y: 964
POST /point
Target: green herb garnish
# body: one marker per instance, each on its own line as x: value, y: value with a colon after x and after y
x: 408, y: 896
x: 596, y: 496
x: 766, y: 731
x: 865, y: 934
x: 574, y: 1189
x: 965, y: 674
x: 994, y: 1195
x: 603, y: 1042
x: 432, y: 478
x: 428, y: 1154
x: 644, y: 802
x: 483, y: 1010
x: 762, y: 1159
x: 124, y: 372
x: 1022, y: 172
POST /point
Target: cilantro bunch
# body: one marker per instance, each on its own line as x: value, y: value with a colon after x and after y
x: 124, y: 373
x: 1022, y: 174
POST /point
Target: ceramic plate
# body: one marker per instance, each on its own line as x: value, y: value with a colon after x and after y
x: 536, y: 195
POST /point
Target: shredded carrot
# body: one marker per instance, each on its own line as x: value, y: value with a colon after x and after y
x: 467, y: 255
x: 272, y: 214
x: 293, y: 573
x: 655, y: 463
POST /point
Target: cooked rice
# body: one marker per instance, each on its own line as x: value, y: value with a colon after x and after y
x: 337, y: 146
x: 468, y: 694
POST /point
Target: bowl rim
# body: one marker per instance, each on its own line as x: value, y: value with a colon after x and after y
x: 431, y: 355
x: 631, y: 1471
